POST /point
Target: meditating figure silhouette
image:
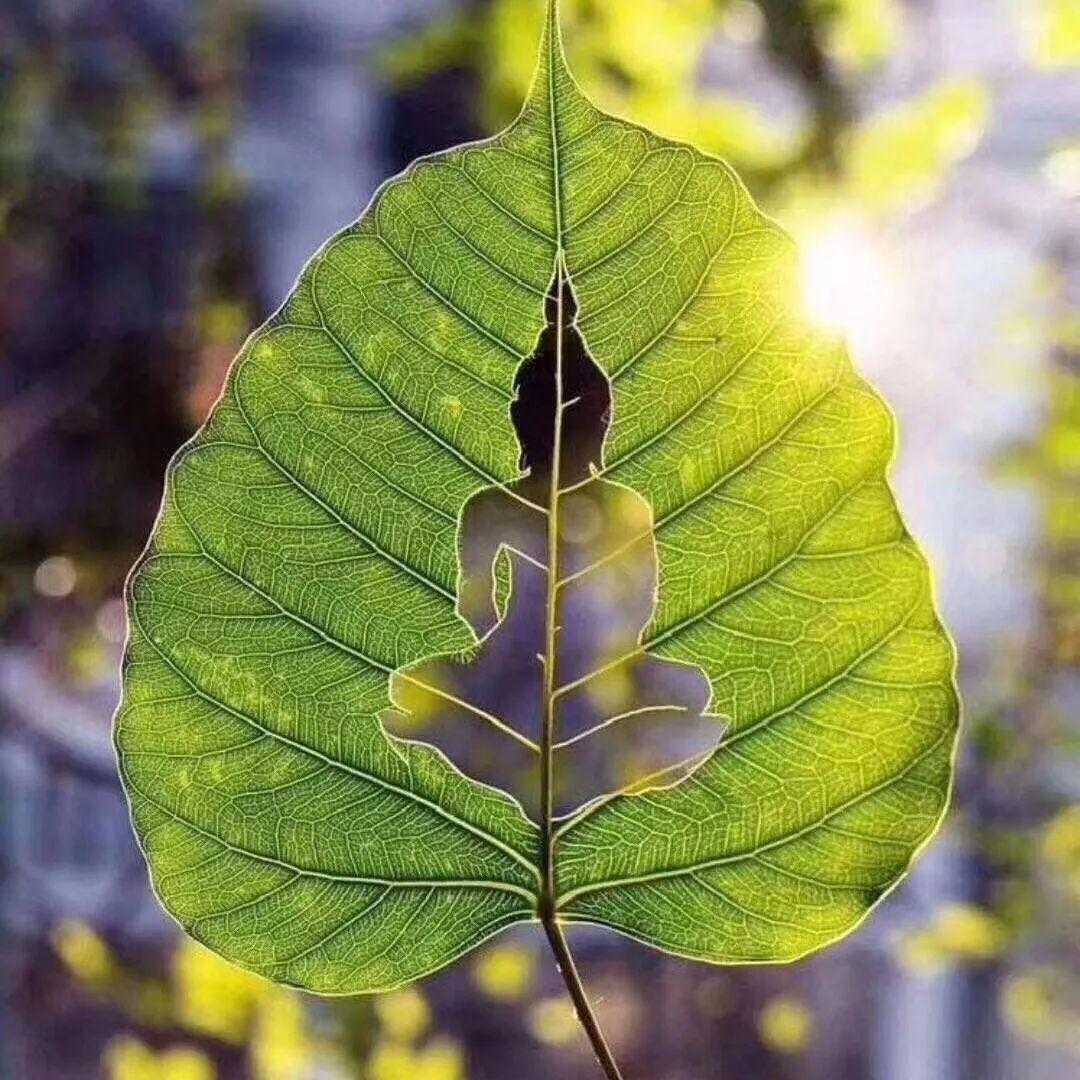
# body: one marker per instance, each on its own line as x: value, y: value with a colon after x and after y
x: 611, y: 697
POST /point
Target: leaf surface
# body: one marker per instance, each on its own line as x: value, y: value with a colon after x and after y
x: 306, y: 551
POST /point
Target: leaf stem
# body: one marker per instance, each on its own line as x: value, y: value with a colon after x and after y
x: 585, y: 1014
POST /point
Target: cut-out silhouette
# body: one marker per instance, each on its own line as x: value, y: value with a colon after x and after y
x: 614, y: 702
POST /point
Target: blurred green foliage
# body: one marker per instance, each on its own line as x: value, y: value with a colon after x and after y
x: 645, y: 61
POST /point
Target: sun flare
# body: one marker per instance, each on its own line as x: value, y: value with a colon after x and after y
x: 846, y: 287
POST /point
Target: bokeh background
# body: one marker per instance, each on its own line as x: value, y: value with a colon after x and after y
x: 166, y: 166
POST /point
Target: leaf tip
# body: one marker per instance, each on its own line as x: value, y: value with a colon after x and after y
x: 550, y: 57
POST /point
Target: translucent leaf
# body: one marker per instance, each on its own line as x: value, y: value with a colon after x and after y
x: 306, y: 575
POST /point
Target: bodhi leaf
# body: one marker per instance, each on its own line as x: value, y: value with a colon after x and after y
x: 308, y: 549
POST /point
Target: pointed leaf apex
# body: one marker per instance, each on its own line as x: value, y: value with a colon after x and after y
x: 552, y: 46
x: 551, y: 60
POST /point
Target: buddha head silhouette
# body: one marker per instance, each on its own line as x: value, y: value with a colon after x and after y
x: 586, y: 394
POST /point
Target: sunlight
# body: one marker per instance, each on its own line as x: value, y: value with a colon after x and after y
x: 846, y: 288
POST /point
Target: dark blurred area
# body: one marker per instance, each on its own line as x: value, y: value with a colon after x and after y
x: 167, y: 166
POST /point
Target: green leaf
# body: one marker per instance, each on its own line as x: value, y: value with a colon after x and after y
x: 307, y: 550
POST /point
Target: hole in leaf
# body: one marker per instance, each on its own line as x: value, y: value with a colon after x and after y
x: 621, y: 715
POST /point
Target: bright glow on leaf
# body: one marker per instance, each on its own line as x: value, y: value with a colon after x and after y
x: 845, y: 283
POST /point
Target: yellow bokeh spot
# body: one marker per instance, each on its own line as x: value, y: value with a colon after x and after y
x: 185, y: 1064
x: 505, y: 972
x: 1053, y: 32
x: 391, y: 1061
x: 969, y: 932
x: 614, y: 692
x: 441, y: 1060
x: 1061, y: 846
x: 552, y: 1021
x: 920, y: 953
x: 1028, y: 1008
x: 862, y: 33
x: 958, y: 933
x: 129, y: 1059
x: 785, y: 1024
x: 214, y: 997
x: 404, y: 1015
x: 1061, y: 838
x: 83, y: 951
x: 280, y: 1047
x: 89, y: 658
x: 224, y: 322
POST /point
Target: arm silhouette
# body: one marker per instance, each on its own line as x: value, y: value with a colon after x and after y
x: 478, y: 547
